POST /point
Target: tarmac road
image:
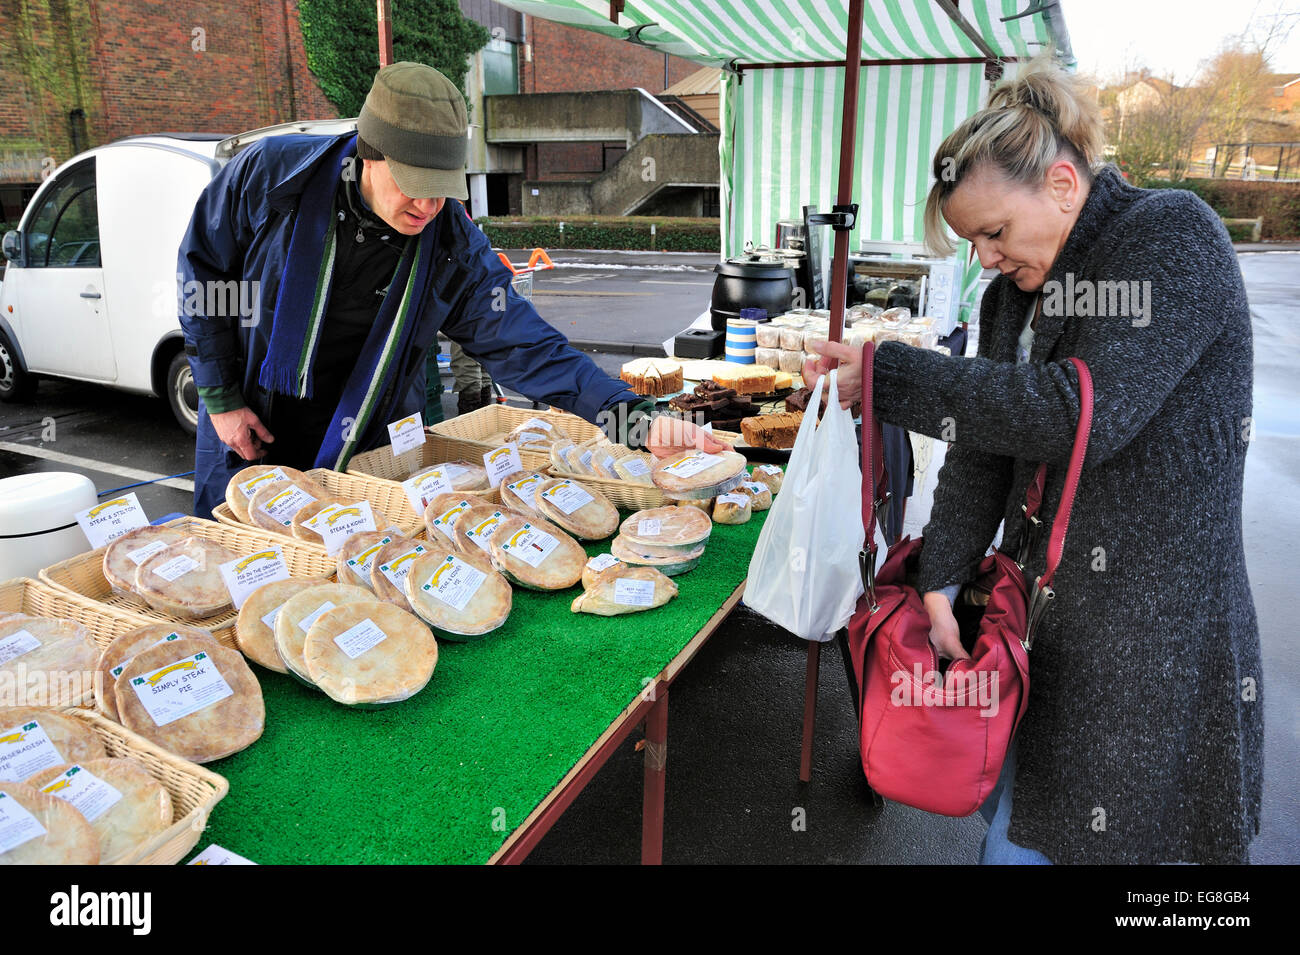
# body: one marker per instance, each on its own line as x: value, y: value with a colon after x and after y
x: 734, y: 724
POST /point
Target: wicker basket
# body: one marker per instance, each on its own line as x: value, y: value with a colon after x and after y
x: 24, y: 595
x: 194, y: 790
x: 627, y: 495
x: 469, y: 436
x: 81, y: 579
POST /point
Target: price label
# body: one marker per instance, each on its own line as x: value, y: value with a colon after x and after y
x: 266, y: 477
x: 16, y: 644
x: 771, y: 469
x: 454, y: 582
x: 345, y: 521
x: 216, y: 855
x: 141, y: 554
x: 105, y: 523
x: 634, y: 593
x: 396, y: 570
x: 530, y: 545
x: 84, y: 791
x: 445, y: 522
x: 247, y: 574
x: 481, y: 533
x: 635, y: 466
x: 305, y: 623
x: 17, y: 825
x: 287, y: 503
x: 567, y: 496
x: 601, y: 561
x: 364, y: 561
x: 423, y: 488
x: 651, y: 527
x: 501, y: 463
x: 181, y: 688
x: 176, y: 568
x: 607, y: 465
x: 407, y: 434
x: 585, y: 461
x: 693, y: 463
x: 740, y: 500
x: 355, y: 641
x: 25, y: 750
x: 526, y: 488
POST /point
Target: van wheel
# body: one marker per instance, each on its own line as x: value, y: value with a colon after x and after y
x: 15, y: 384
x: 182, y: 394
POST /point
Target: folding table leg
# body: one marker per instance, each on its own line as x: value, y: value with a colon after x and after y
x: 809, y: 710
x: 656, y: 761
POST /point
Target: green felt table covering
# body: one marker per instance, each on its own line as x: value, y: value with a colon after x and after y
x: 447, y: 775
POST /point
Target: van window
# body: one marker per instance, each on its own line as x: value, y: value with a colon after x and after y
x: 64, y: 233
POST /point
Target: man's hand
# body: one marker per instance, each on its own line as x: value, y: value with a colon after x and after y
x: 242, y: 432
x: 945, y: 636
x: 669, y: 435
x: 849, y: 378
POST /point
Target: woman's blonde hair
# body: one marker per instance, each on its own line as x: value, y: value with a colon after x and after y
x: 1041, y: 115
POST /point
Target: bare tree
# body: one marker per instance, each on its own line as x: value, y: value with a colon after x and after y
x: 1237, y: 82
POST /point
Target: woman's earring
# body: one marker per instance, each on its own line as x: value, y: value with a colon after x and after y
x: 1069, y: 205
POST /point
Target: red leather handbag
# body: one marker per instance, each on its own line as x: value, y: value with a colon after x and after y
x: 932, y: 737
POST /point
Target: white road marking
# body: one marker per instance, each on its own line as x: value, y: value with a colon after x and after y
x: 181, y: 484
x: 666, y: 282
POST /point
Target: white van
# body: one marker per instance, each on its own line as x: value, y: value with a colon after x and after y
x: 89, y: 291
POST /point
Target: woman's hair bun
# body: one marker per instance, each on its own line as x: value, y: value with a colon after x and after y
x: 1032, y: 120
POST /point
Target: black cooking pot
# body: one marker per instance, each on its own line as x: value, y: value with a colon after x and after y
x: 750, y: 285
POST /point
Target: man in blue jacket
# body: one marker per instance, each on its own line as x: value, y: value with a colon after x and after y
x: 358, y: 255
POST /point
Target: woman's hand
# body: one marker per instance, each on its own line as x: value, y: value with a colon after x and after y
x: 944, y: 634
x: 669, y: 435
x: 850, y: 369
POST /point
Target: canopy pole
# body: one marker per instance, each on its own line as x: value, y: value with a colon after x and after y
x: 848, y: 140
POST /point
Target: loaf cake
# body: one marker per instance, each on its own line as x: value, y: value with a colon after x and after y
x: 772, y: 430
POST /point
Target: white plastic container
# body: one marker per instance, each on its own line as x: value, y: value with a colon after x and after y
x: 37, y: 527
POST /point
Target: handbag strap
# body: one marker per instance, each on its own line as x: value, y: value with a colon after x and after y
x: 874, y: 475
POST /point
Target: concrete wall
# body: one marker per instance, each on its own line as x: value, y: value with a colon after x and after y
x: 656, y: 162
x: 598, y: 116
x: 571, y: 197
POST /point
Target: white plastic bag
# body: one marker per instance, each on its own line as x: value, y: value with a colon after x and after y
x: 804, y: 574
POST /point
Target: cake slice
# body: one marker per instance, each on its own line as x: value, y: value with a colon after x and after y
x: 653, y: 377
x: 772, y: 430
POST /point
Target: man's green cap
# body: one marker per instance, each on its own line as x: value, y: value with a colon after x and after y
x: 416, y: 117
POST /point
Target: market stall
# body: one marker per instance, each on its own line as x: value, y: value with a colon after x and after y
x: 329, y: 726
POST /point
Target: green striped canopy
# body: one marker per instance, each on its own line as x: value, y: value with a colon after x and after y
x: 780, y: 143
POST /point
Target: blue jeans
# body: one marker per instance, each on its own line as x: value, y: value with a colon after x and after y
x: 997, y: 849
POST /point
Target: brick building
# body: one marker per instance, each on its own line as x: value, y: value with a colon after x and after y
x: 80, y: 73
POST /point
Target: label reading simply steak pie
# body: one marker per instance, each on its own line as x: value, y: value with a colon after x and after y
x: 181, y: 688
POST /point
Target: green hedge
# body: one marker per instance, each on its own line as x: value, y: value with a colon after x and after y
x: 603, y: 232
x: 1277, y: 202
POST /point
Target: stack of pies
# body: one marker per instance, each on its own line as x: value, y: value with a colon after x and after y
x: 299, y: 612
x: 126, y: 647
x: 536, y: 555
x: 242, y: 487
x: 184, y: 579
x: 670, y: 539
x: 255, y: 626
x: 696, y: 475
x: 123, y: 557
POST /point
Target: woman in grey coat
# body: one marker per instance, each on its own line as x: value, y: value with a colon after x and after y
x: 1144, y: 735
